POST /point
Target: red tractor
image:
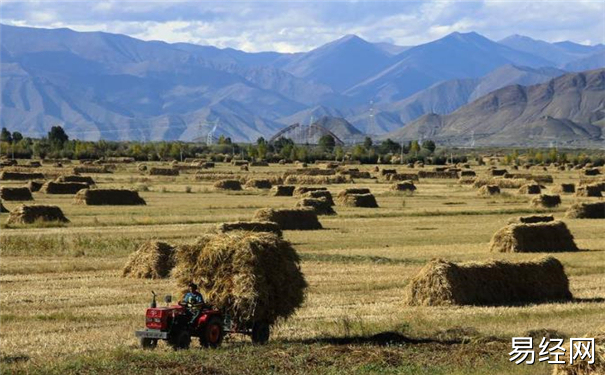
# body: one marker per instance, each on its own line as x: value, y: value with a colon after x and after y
x: 176, y: 325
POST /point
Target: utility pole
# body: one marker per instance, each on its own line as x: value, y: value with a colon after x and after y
x: 401, y: 154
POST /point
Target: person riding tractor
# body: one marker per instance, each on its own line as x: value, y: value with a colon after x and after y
x: 193, y: 301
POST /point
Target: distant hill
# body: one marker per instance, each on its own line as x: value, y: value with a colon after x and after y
x: 558, y: 54
x: 568, y: 110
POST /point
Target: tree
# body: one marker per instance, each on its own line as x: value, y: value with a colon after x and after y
x: 327, y: 143
x: 429, y: 145
x: 261, y: 150
x: 414, y: 147
x: 367, y: 143
x: 339, y: 153
x: 261, y: 141
x: 5, y: 136
x: 389, y: 147
x: 57, y: 136
x: 17, y: 136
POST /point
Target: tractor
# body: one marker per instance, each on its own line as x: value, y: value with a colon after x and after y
x: 175, y: 325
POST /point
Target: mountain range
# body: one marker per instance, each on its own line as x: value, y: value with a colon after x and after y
x: 111, y: 86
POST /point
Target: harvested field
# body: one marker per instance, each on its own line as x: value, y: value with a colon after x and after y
x: 112, y: 197
x: 152, y: 260
x: 320, y: 194
x: 255, y: 277
x: 228, y: 185
x: 290, y: 219
x: 358, y: 200
x: 16, y: 194
x: 20, y: 176
x: 532, y: 219
x: 155, y: 171
x: 29, y: 214
x: 489, y: 190
x: 442, y: 283
x: 535, y: 237
x: 321, y: 206
x: 250, y: 226
x: 586, y: 211
x: 583, y: 366
x: 282, y: 190
x: 52, y: 187
x: 546, y: 201
x: 259, y: 184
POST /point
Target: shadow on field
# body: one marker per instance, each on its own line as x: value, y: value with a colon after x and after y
x: 588, y: 300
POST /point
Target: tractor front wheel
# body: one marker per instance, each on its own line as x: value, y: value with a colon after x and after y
x: 147, y: 343
x: 180, y: 340
x: 260, y: 333
x: 212, y: 336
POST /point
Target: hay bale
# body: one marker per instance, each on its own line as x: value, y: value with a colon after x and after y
x: 466, y: 180
x: 358, y: 200
x: 586, y: 211
x: 250, y: 226
x: 530, y: 189
x: 320, y: 205
x: 289, y: 219
x: 402, y: 177
x: 589, y: 191
x: 489, y: 190
x: 75, y: 178
x: 260, y: 163
x: 155, y: 171
x: 258, y: 184
x: 2, y: 208
x: 532, y: 219
x: 543, y: 178
x: 16, y: 194
x: 34, y: 186
x: 228, y: 185
x: 350, y: 191
x: 591, y: 172
x: 438, y: 174
x: 467, y: 173
x: 282, y: 190
x: 28, y: 214
x: 404, y: 186
x: 384, y: 172
x: 536, y: 237
x: 92, y: 169
x: 20, y: 176
x: 443, y: 283
x: 565, y: 188
x: 546, y: 201
x: 302, y: 190
x: 52, y: 187
x: 115, y: 197
x: 320, y: 194
x: 581, y: 366
x: 141, y: 167
x: 497, y: 172
x: 253, y: 277
x: 152, y: 260
x: 315, y: 180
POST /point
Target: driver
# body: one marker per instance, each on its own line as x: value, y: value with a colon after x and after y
x: 193, y: 300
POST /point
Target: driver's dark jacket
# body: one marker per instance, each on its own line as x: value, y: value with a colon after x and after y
x: 193, y: 298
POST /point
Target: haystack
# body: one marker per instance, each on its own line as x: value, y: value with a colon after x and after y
x: 16, y: 194
x: 250, y: 226
x: 591, y: 172
x: 75, y: 178
x: 467, y: 173
x: 302, y: 190
x: 443, y: 283
x: 530, y: 189
x: 581, y: 366
x: 402, y: 177
x: 532, y: 219
x: 320, y: 194
x: 116, y: 197
x: 152, y: 260
x: 502, y: 183
x: 536, y: 237
x: 565, y: 188
x: 546, y: 201
x: 586, y: 211
x: 593, y: 190
x: 349, y: 191
x: 404, y: 186
x: 309, y: 172
x: 489, y: 190
x: 20, y: 176
x: 92, y: 169
x: 358, y: 200
x: 497, y: 172
x: 289, y: 219
x: 141, y: 167
x: 254, y: 277
x: 259, y: 184
x: 34, y: 186
x: 320, y: 205
x: 436, y: 174
x: 316, y: 180
x: 228, y: 185
x: 52, y: 187
x: 28, y: 214
x: 2, y: 208
x: 282, y: 190
x: 155, y: 171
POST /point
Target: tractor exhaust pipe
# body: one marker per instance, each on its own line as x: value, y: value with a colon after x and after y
x: 154, y: 304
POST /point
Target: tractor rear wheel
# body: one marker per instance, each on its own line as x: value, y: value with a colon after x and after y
x: 180, y: 340
x: 147, y: 343
x: 260, y: 333
x: 212, y: 335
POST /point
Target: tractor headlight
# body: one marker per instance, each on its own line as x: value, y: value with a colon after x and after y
x: 157, y: 320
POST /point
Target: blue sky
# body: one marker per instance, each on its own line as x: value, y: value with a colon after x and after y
x: 300, y: 26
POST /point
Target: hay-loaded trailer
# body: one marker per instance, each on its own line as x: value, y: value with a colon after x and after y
x: 175, y: 325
